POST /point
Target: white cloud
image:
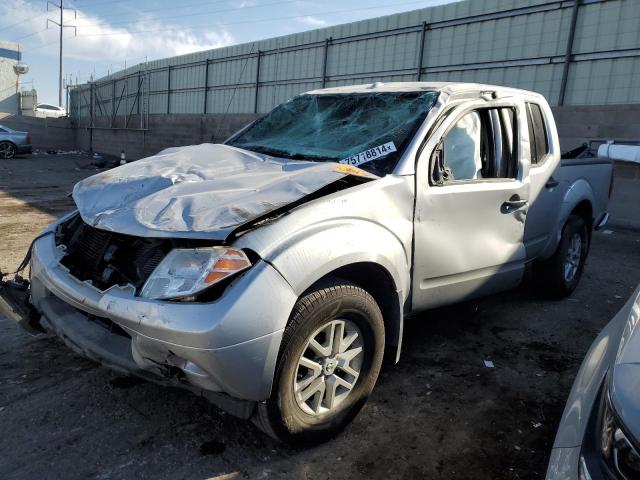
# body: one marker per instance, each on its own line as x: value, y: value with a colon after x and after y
x: 313, y: 21
x: 100, y: 42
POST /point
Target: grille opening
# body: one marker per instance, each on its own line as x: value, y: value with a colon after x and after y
x: 108, y: 258
x: 109, y: 325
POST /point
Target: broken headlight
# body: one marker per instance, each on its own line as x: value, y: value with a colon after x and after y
x: 186, y: 272
x: 616, y: 448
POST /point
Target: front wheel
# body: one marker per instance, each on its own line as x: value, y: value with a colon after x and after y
x: 558, y: 276
x: 7, y: 150
x: 328, y: 364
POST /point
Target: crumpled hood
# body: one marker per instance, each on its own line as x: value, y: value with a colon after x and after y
x: 199, y: 191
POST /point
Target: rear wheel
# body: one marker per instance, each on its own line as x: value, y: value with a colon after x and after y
x: 7, y: 150
x: 559, y: 276
x: 329, y: 361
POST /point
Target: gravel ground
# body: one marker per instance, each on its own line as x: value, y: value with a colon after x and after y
x: 439, y: 413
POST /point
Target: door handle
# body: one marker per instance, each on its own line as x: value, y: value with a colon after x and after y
x: 551, y: 183
x: 513, y: 204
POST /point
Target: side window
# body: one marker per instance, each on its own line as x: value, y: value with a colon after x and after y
x: 462, y: 148
x: 480, y: 145
x: 538, y: 141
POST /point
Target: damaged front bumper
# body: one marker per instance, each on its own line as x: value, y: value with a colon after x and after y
x: 225, y: 350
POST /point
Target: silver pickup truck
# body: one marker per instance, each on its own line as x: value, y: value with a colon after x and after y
x: 270, y: 273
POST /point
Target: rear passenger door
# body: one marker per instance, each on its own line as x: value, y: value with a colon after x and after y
x: 470, y: 211
x: 546, y: 189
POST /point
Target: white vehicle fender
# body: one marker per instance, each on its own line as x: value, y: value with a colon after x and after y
x: 316, y: 251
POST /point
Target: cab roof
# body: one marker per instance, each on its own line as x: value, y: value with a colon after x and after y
x: 447, y: 87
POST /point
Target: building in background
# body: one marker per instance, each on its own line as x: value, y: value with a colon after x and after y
x: 28, y: 101
x: 9, y: 77
x: 14, y: 100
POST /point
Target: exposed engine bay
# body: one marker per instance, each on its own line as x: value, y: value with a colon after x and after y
x: 106, y: 258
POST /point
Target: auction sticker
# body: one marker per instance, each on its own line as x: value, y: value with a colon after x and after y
x: 369, y: 155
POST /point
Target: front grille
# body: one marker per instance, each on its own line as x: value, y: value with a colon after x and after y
x: 106, y: 258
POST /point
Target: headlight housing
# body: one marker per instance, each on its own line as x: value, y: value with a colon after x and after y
x: 617, y: 450
x: 186, y: 272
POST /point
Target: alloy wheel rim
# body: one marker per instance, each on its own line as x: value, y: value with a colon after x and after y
x: 6, y: 150
x: 329, y: 367
x: 572, y: 260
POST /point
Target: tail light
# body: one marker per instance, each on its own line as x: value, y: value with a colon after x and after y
x: 28, y: 138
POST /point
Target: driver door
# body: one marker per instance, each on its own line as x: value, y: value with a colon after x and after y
x: 471, y: 204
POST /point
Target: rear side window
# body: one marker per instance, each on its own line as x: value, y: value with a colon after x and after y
x: 538, y: 141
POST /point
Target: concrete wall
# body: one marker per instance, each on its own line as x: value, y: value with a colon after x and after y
x: 624, y: 206
x: 579, y: 124
x: 163, y: 131
x: 56, y: 133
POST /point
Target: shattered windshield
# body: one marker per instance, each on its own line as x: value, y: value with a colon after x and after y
x: 368, y: 130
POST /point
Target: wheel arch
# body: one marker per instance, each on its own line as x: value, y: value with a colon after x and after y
x: 578, y: 200
x: 584, y: 209
x: 379, y: 283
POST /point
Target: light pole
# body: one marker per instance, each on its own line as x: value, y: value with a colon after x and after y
x: 61, y: 26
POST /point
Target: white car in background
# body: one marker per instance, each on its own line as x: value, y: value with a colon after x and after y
x: 47, y: 110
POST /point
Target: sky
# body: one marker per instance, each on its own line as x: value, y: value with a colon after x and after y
x: 110, y: 34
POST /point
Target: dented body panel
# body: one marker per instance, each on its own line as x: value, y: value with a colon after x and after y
x: 301, y: 221
x: 200, y: 191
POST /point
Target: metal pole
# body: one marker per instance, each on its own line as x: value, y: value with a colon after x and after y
x: 327, y: 42
x: 126, y: 99
x: 169, y: 89
x: 60, y: 71
x: 206, y: 85
x: 66, y: 97
x: 422, y: 39
x: 91, y: 114
x: 138, y: 95
x: 567, y: 55
x: 148, y: 101
x: 255, y: 100
x: 113, y: 103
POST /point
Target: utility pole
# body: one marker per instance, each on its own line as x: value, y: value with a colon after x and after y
x: 61, y: 26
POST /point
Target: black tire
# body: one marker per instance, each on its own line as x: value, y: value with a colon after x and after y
x: 281, y: 416
x: 549, y: 275
x: 7, y: 150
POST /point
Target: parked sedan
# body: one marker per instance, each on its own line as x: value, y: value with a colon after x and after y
x: 599, y: 434
x: 12, y: 142
x: 47, y: 110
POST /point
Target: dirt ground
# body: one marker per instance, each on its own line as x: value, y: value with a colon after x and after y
x: 438, y: 414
